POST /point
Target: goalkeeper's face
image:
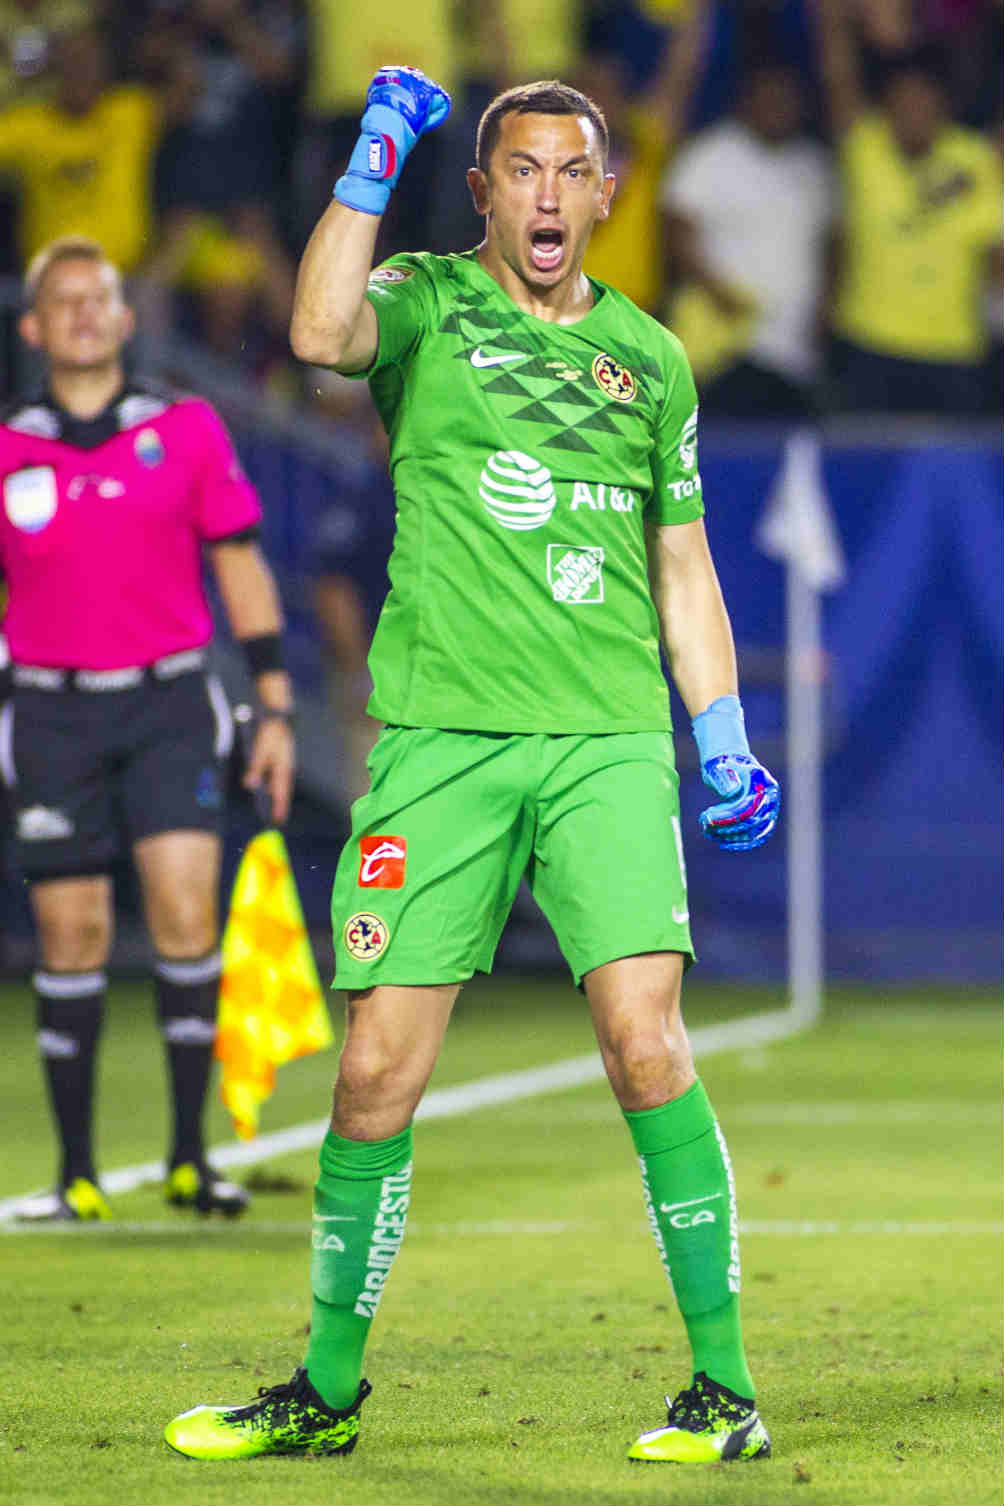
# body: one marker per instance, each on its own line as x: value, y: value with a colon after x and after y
x: 79, y: 319
x: 543, y: 190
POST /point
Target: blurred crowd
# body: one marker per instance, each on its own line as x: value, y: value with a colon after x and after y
x: 809, y: 191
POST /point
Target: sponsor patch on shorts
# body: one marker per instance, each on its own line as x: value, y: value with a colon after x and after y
x: 382, y: 861
x: 365, y: 936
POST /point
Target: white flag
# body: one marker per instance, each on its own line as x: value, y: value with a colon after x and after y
x: 798, y: 525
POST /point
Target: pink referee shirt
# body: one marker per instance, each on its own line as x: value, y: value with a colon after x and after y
x: 101, y: 543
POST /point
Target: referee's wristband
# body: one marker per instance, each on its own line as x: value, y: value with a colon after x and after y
x: 285, y: 714
x: 263, y: 653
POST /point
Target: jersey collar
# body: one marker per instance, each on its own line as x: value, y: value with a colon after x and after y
x: 133, y: 404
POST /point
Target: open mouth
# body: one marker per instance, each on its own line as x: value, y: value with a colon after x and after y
x: 546, y: 249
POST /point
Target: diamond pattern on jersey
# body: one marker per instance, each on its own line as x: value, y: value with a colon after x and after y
x: 502, y: 386
x: 571, y: 410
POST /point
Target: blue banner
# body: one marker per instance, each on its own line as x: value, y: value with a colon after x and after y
x: 914, y: 643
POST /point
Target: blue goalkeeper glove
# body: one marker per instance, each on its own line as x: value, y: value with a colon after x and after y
x: 401, y: 103
x: 752, y: 798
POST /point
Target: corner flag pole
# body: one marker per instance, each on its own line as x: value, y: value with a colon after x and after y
x: 798, y: 528
x: 803, y: 681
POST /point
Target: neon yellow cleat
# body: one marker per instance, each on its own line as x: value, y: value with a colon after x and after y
x: 706, y: 1422
x: 196, y: 1185
x: 287, y: 1419
x: 81, y: 1201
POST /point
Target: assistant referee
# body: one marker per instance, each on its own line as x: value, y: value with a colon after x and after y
x: 112, y: 490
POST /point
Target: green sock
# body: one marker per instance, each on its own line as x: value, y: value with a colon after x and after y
x: 360, y: 1208
x: 690, y: 1197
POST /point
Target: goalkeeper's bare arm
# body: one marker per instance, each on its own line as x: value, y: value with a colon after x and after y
x: 333, y: 325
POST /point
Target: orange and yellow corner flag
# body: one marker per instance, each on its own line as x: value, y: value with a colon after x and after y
x: 271, y: 1008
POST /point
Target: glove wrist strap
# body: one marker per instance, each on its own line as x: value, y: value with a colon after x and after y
x: 721, y: 728
x: 377, y: 158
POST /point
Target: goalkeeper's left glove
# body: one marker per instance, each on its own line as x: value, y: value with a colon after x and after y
x: 752, y: 799
x: 401, y: 103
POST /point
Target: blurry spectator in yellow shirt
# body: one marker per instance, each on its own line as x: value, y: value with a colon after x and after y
x: 499, y: 45
x: 28, y: 30
x: 82, y: 159
x: 628, y: 249
x: 348, y: 42
x: 922, y: 234
x: 226, y: 70
x: 83, y: 162
x: 514, y: 41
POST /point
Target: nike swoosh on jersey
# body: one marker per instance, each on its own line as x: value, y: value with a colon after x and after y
x: 479, y: 359
x: 681, y: 916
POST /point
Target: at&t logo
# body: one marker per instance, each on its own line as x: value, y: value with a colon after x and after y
x: 517, y: 490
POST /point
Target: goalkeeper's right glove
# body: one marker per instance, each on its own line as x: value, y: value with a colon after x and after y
x: 401, y: 103
x: 752, y: 800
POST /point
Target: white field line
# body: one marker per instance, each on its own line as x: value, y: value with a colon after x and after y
x: 463, y: 1098
x: 197, y: 1228
x: 911, y: 1111
x: 849, y: 1112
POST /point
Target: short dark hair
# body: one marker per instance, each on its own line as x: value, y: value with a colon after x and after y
x: 548, y: 96
x: 926, y: 60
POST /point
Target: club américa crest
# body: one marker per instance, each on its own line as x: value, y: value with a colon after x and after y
x: 616, y: 381
x: 365, y: 935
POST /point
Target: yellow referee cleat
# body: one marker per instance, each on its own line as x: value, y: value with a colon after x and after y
x: 81, y: 1201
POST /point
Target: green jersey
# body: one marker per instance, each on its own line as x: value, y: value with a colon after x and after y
x: 526, y: 457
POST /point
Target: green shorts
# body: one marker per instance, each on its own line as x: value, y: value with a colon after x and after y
x: 454, y: 820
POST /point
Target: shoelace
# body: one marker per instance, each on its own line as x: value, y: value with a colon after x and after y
x: 296, y: 1390
x: 286, y: 1391
x: 276, y: 1393
x: 686, y: 1408
x: 699, y: 1404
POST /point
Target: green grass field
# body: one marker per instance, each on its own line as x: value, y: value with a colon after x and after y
x: 527, y: 1333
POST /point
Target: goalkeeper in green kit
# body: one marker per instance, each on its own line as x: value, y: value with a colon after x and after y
x: 543, y: 437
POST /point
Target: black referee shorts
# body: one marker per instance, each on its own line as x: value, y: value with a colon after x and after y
x: 89, y: 770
